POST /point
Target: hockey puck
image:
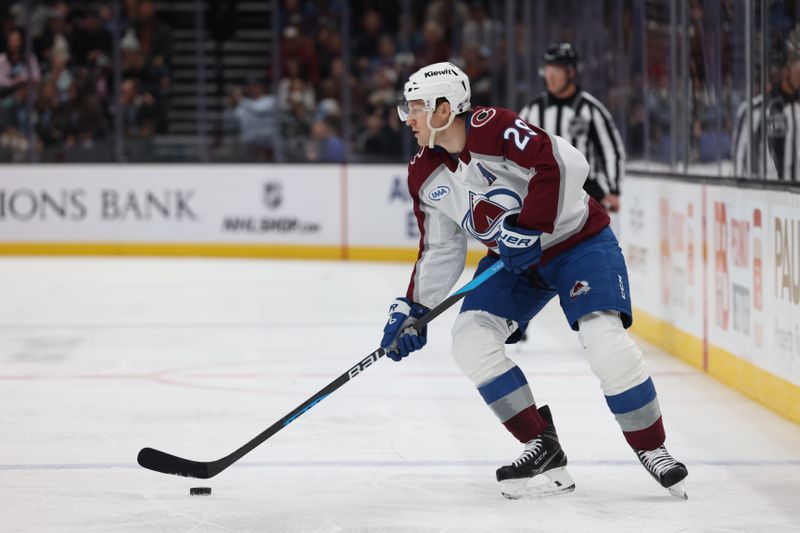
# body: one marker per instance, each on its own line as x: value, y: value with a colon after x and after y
x: 200, y: 491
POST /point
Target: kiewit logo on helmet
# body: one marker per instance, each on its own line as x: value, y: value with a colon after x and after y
x: 440, y: 72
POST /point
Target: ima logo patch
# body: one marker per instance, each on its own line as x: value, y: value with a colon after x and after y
x: 486, y: 214
x: 580, y: 287
x: 439, y: 192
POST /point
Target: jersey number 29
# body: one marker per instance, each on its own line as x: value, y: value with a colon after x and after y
x: 520, y: 139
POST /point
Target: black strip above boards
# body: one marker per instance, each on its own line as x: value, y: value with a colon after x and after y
x: 742, y: 183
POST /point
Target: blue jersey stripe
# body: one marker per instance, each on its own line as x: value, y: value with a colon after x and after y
x: 502, y: 385
x: 632, y: 399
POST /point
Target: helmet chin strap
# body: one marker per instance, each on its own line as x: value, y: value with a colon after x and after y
x: 434, y: 130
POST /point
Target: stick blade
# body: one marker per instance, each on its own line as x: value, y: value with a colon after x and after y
x: 166, y: 463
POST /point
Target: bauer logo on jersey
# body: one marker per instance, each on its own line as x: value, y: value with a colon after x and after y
x: 439, y: 192
x: 580, y: 287
x: 486, y: 214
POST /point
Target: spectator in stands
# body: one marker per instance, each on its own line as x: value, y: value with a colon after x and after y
x: 298, y: 109
x: 327, y: 145
x: 138, y: 111
x: 106, y: 18
x: 50, y: 117
x: 435, y: 49
x: 295, y: 46
x: 451, y: 15
x: 293, y: 88
x: 256, y: 114
x: 476, y: 66
x: 329, y: 100
x: 14, y: 122
x: 13, y: 69
x: 378, y: 141
x: 329, y: 49
x: 60, y: 76
x: 386, y: 56
x: 152, y: 79
x: 368, y: 39
x: 317, y: 13
x: 155, y: 37
x: 384, y: 94
x: 86, y: 119
x: 296, y: 130
x: 482, y: 31
x: 57, y: 34
x: 230, y: 124
x: 291, y: 14
x: 91, y: 42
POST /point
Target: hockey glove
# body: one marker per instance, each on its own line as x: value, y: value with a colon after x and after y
x: 399, y: 339
x: 519, y: 247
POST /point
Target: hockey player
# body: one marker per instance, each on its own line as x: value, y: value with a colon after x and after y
x: 484, y: 172
x: 578, y: 117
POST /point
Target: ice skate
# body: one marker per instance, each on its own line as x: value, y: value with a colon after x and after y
x: 665, y: 469
x: 540, y: 470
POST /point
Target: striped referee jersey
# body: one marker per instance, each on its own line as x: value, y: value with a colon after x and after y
x: 783, y: 138
x: 585, y: 123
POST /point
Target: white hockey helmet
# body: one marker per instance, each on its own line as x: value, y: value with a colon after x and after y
x: 440, y: 80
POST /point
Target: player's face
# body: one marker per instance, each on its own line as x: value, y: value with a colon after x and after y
x: 794, y: 74
x: 418, y: 122
x: 557, y: 78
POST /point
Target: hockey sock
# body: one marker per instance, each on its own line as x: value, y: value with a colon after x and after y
x: 510, y: 398
x: 639, y: 416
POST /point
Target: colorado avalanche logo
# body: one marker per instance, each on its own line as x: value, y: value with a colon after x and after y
x: 580, y: 287
x: 486, y: 214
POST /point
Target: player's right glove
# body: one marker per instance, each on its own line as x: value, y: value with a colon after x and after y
x: 399, y: 339
x: 519, y: 247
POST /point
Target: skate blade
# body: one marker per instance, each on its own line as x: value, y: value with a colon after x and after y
x: 678, y: 490
x: 550, y: 483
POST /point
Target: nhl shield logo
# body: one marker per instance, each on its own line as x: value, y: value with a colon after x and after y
x: 272, y: 194
x: 578, y: 126
x: 580, y: 287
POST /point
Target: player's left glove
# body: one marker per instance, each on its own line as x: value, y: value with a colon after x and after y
x: 519, y: 247
x: 399, y: 339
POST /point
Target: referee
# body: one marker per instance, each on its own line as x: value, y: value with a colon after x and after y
x: 783, y: 122
x: 581, y: 119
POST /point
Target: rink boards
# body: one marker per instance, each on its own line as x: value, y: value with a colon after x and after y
x: 715, y: 274
x: 715, y: 270
x: 306, y: 211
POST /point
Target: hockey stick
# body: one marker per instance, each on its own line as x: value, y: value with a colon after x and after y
x: 166, y: 463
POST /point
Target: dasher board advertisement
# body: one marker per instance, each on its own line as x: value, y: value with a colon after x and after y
x: 297, y: 204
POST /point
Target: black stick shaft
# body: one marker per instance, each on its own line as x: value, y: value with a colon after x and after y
x: 166, y: 463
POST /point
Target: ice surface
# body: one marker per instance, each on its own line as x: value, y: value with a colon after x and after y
x: 101, y: 357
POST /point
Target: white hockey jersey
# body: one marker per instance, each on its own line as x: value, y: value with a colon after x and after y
x: 507, y: 166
